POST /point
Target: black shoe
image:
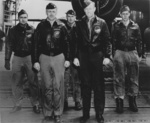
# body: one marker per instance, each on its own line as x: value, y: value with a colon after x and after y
x: 100, y: 119
x: 65, y: 105
x: 57, y: 119
x: 36, y: 109
x: 132, y: 104
x: 78, y: 106
x: 84, y: 119
x: 15, y: 109
x: 119, y: 105
x: 48, y: 118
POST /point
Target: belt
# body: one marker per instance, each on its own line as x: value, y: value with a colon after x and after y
x: 126, y: 49
x: 20, y: 54
x: 51, y: 53
x: 90, y: 49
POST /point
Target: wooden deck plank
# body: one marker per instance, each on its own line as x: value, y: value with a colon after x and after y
x: 27, y: 116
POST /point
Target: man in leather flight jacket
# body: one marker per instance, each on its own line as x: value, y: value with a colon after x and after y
x: 72, y: 80
x: 127, y: 50
x: 93, y: 44
x: 19, y: 41
x: 51, y: 56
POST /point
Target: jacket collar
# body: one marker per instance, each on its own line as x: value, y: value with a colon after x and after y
x: 130, y: 23
x: 56, y: 22
x: 85, y: 18
x: 71, y: 25
x: 20, y: 26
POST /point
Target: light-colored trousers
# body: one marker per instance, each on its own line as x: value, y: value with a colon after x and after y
x: 126, y: 65
x: 22, y: 66
x: 52, y: 75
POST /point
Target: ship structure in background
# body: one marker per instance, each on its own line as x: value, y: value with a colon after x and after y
x: 9, y: 10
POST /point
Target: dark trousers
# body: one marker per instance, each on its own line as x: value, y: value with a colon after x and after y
x: 72, y: 82
x: 91, y: 68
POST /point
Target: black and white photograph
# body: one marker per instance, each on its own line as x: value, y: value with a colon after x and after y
x: 74, y: 61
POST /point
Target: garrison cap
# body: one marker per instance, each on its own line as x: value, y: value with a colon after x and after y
x: 22, y: 11
x: 124, y: 8
x: 71, y: 12
x: 51, y: 6
x: 86, y: 3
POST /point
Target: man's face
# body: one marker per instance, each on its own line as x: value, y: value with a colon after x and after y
x: 71, y: 18
x: 23, y: 19
x: 125, y: 15
x: 89, y: 10
x: 51, y: 14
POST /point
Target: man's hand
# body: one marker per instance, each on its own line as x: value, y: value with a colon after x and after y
x: 76, y: 62
x: 67, y: 64
x: 106, y: 61
x: 111, y: 57
x: 140, y: 58
x: 36, y: 66
x: 3, y: 39
x: 7, y: 65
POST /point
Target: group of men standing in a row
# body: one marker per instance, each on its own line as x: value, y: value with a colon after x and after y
x: 81, y: 47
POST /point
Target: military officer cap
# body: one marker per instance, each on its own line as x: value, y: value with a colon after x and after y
x: 71, y: 12
x: 124, y: 8
x: 86, y: 3
x: 51, y: 6
x: 22, y: 11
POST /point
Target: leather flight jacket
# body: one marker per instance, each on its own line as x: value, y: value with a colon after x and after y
x: 96, y: 40
x: 50, y: 40
x: 126, y: 38
x: 72, y: 38
x: 19, y: 41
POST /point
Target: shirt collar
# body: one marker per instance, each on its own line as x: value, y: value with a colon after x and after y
x: 91, y: 19
x: 71, y: 25
x: 52, y: 22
